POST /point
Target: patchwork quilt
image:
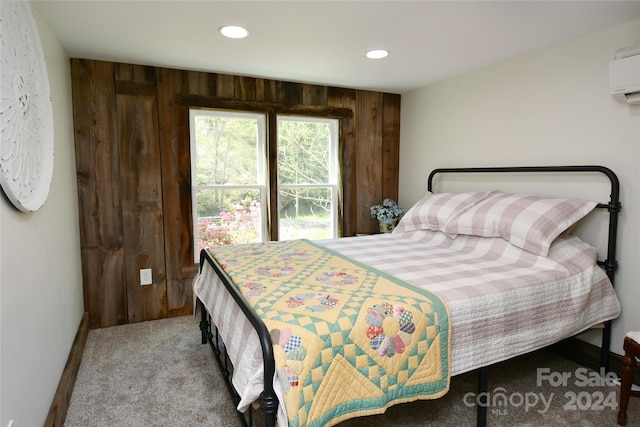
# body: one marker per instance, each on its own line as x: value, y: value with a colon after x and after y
x: 349, y: 340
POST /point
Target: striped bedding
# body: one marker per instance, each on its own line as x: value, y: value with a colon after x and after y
x: 503, y: 301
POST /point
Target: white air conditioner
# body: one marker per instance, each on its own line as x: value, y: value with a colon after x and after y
x: 624, y: 75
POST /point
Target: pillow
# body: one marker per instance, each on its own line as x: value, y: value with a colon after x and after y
x: 529, y: 222
x: 433, y: 210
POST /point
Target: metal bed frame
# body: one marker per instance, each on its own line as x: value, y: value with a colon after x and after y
x: 268, y: 400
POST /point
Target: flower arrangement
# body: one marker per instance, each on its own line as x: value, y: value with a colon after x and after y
x: 388, y: 212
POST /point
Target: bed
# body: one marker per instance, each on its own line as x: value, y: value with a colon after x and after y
x: 465, y: 281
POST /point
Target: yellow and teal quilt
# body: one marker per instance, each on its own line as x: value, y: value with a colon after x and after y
x: 348, y: 340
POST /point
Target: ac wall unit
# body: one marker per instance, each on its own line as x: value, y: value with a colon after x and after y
x: 624, y: 75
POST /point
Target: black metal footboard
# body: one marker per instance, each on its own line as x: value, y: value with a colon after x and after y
x: 268, y: 398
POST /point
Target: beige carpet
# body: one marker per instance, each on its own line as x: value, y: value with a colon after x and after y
x: 158, y: 374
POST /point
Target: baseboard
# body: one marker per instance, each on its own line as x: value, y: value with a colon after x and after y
x: 588, y: 355
x: 60, y: 404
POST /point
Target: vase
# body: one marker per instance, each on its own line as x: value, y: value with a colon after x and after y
x: 386, y: 227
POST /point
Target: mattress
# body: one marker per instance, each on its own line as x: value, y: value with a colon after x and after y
x: 503, y: 301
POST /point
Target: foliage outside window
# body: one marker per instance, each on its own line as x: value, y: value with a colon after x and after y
x: 230, y: 173
x: 307, y: 178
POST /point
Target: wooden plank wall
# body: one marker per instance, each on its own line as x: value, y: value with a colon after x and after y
x: 132, y: 161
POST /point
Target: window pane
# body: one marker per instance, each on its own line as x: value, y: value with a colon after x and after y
x: 305, y: 213
x: 229, y: 175
x: 227, y: 148
x: 304, y: 155
x: 226, y: 217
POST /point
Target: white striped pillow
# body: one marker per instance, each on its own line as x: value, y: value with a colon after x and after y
x: 433, y: 210
x: 528, y: 222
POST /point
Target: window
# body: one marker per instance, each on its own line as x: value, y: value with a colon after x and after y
x: 230, y: 173
x: 228, y: 177
x: 307, y: 178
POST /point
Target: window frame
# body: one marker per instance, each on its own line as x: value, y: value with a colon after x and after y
x: 344, y: 115
x: 261, y: 166
x: 334, y: 170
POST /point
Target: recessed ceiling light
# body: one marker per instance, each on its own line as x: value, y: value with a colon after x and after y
x: 234, y: 31
x: 377, y: 53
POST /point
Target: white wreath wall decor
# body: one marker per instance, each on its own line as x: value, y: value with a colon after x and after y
x: 26, y: 113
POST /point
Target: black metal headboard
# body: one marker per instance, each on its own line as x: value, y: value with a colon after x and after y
x: 614, y: 206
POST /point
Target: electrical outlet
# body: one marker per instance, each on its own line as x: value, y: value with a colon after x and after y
x: 146, y: 278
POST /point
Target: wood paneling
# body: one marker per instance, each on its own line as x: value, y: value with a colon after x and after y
x: 99, y: 192
x: 177, y: 219
x: 183, y: 170
x: 390, y: 144
x: 141, y: 181
x: 133, y: 167
x: 369, y: 157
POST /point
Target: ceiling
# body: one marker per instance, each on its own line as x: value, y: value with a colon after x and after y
x: 324, y: 42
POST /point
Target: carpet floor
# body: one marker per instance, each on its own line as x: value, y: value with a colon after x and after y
x: 158, y: 374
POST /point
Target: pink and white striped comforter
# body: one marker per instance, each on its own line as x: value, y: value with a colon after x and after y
x: 503, y: 301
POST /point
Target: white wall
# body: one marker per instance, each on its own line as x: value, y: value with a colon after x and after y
x: 40, y: 270
x: 551, y: 106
